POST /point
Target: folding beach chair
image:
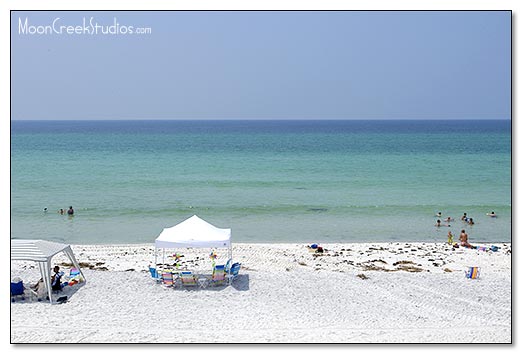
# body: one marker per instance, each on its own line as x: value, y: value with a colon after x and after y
x: 234, y: 271
x: 218, y: 275
x: 155, y: 275
x: 168, y: 279
x: 17, y: 290
x: 227, y: 265
x: 188, y: 279
x: 473, y: 273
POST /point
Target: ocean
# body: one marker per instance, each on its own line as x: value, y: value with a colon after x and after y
x: 269, y: 181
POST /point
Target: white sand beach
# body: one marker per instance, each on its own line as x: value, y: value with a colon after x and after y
x: 353, y: 293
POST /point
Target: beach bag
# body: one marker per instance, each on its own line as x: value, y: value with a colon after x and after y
x: 473, y: 273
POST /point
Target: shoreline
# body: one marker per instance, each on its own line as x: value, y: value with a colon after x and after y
x: 394, y: 292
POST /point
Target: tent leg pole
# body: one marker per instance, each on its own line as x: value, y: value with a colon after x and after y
x: 49, y: 285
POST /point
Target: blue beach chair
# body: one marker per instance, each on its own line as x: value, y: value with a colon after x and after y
x: 234, y: 271
x: 17, y: 290
x: 155, y: 275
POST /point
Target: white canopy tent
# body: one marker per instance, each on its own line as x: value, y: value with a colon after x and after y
x: 194, y: 232
x: 42, y: 253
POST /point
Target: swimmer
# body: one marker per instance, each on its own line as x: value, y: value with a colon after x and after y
x: 471, y: 222
x: 70, y: 211
x: 61, y: 211
x: 449, y: 218
x: 439, y: 214
x: 492, y: 214
x: 464, y: 217
x: 438, y: 224
x: 45, y: 210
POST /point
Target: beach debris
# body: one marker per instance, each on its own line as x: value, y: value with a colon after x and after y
x: 376, y: 249
x: 402, y: 262
x: 447, y: 270
x: 362, y: 276
x: 378, y: 260
x: 374, y: 267
x: 302, y: 263
x: 409, y: 268
x: 95, y: 266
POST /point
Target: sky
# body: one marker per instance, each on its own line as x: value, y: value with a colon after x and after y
x: 263, y: 65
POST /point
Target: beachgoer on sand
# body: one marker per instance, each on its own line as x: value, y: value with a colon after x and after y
x: 70, y: 211
x: 450, y: 238
x: 56, y: 283
x: 463, y: 238
x: 39, y: 288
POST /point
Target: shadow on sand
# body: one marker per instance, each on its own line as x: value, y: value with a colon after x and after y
x: 67, y: 291
x: 240, y: 283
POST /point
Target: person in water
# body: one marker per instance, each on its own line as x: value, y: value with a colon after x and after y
x: 70, y: 211
x: 439, y: 214
x: 471, y: 222
x: 492, y: 214
x: 464, y: 217
x: 61, y: 211
x: 438, y: 224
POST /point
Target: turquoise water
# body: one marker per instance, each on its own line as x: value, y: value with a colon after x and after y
x: 270, y: 181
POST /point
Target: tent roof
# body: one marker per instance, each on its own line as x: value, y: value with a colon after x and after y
x: 193, y: 232
x: 35, y: 250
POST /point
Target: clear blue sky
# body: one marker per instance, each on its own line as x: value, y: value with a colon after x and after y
x: 266, y: 65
